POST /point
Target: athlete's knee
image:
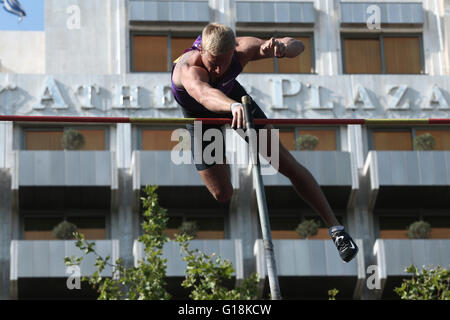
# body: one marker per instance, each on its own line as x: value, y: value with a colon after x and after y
x: 223, y: 195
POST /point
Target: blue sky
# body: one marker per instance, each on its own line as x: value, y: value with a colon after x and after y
x: 34, y: 21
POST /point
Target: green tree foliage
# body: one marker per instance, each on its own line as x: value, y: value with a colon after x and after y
x: 419, y: 230
x: 64, y: 230
x: 307, y: 142
x: 428, y: 284
x: 188, y: 227
x: 204, y: 274
x: 307, y: 228
x: 424, y: 142
x: 72, y: 140
x: 332, y: 294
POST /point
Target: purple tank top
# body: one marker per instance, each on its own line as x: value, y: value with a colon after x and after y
x: 225, y: 85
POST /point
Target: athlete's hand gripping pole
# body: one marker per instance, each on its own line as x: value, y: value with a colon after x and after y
x: 262, y: 204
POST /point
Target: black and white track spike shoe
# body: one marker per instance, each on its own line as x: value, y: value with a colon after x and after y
x: 346, y: 246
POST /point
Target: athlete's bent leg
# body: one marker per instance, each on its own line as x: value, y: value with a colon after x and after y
x: 218, y: 181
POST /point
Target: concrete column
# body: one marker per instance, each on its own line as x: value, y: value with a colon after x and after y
x: 125, y: 215
x: 6, y: 221
x: 436, y: 58
x: 124, y: 200
x: 244, y: 219
x: 120, y: 37
x: 223, y: 11
x: 360, y: 216
x: 354, y: 146
x: 243, y: 222
x: 326, y: 38
x: 8, y: 210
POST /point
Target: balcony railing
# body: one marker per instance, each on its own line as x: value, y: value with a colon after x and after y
x: 309, y: 258
x: 66, y: 168
x: 422, y: 169
x: 394, y: 256
x: 45, y: 259
x: 330, y: 168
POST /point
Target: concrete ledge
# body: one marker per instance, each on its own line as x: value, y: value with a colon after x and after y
x: 45, y: 259
x: 66, y: 168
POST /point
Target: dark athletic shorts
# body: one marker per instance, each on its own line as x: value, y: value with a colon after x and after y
x: 236, y: 94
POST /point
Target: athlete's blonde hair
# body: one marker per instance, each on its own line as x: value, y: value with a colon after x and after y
x: 218, y: 39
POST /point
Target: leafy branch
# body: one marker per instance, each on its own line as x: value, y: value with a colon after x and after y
x: 146, y: 281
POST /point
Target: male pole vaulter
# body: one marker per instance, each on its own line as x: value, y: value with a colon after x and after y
x: 204, y: 85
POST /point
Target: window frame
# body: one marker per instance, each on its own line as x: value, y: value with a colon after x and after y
x: 25, y: 129
x: 312, y: 128
x: 195, y: 216
x: 380, y: 37
x: 169, y: 35
x: 412, y: 130
x: 276, y: 34
x: 371, y: 142
x: 65, y: 214
x: 418, y: 214
x: 140, y: 131
x: 307, y: 214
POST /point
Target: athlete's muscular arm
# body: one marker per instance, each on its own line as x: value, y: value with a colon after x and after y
x: 195, y: 80
x: 251, y: 48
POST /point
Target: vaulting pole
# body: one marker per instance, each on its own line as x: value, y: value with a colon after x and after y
x: 262, y: 204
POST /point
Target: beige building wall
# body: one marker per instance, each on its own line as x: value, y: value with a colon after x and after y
x: 22, y: 52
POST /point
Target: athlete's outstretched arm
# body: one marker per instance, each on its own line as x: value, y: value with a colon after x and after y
x: 251, y: 48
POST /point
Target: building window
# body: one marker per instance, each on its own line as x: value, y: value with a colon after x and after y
x: 301, y: 64
x: 328, y: 138
x: 283, y: 227
x: 397, y: 227
x: 178, y: 45
x: 362, y: 56
x: 158, y: 139
x: 40, y: 228
x: 441, y: 138
x: 51, y: 139
x: 392, y: 140
x: 382, y: 54
x: 150, y: 53
x: 156, y: 53
x: 43, y: 140
x: 260, y: 66
x: 208, y: 227
x: 287, y: 138
x: 403, y: 139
